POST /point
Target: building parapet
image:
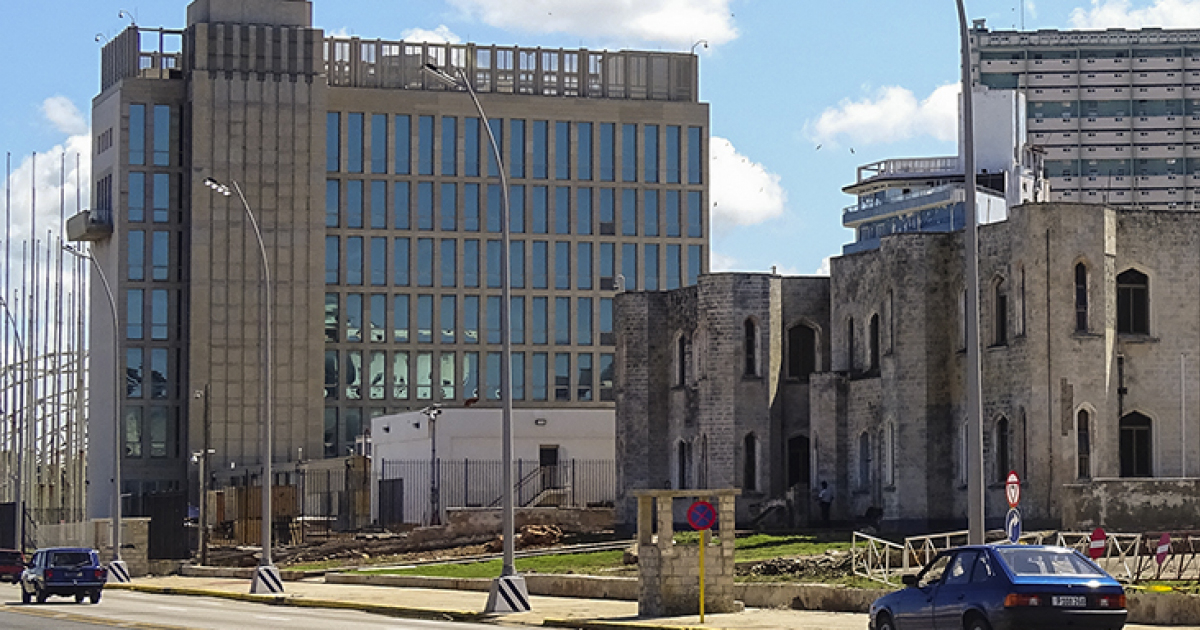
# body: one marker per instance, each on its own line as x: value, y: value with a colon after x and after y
x: 940, y: 166
x: 148, y: 53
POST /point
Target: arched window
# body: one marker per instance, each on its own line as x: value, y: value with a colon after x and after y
x: 864, y: 460
x: 1000, y: 303
x: 1083, y: 433
x: 1081, y: 298
x: 1133, y: 303
x: 874, y: 342
x: 1135, y: 446
x: 750, y: 463
x: 850, y: 345
x: 751, y: 347
x: 1003, y: 461
x: 802, y: 351
x: 798, y: 461
x: 681, y: 354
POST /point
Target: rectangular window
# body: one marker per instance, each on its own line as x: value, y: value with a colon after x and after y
x: 562, y: 321
x: 629, y: 265
x: 378, y: 318
x: 354, y: 375
x: 471, y: 147
x: 333, y: 141
x: 673, y: 154
x: 583, y: 320
x: 377, y: 386
x: 672, y: 213
x: 449, y: 207
x: 491, y: 375
x: 161, y: 197
x: 650, y: 268
x: 516, y: 319
x: 539, y: 270
x: 650, y: 136
x: 518, y: 375
x: 493, y: 319
x: 541, y: 152
x: 378, y: 261
x: 497, y: 127
x: 516, y: 264
x: 332, y: 202
x: 354, y: 142
x: 471, y: 207
x: 425, y: 145
x: 562, y: 265
x: 354, y: 203
x: 493, y: 209
x: 470, y: 376
x: 137, y: 197
x: 400, y: 375
x: 379, y: 135
x: 449, y: 145
x: 583, y: 211
x: 160, y: 255
x: 446, y: 311
x: 162, y: 135
x: 629, y: 218
x: 584, y: 383
x: 424, y: 319
x: 583, y: 265
x: 562, y: 150
x: 332, y: 317
x: 424, y: 375
x: 471, y: 319
x: 516, y: 209
x: 159, y: 308
x: 332, y: 258
x: 608, y: 226
x: 134, y: 370
x: 400, y: 318
x: 133, y: 432
x: 674, y: 267
x: 471, y: 263
x: 695, y: 215
x: 606, y: 322
x: 608, y: 264
x: 539, y: 216
x: 137, y: 255
x: 424, y: 205
x: 137, y: 134
x: 538, y: 375
x: 562, y: 376
x: 607, y: 152
x: 562, y: 210
x: 424, y: 262
x: 695, y: 155
x: 354, y: 317
x: 606, y: 377
x: 583, y: 161
x: 650, y: 214
x: 400, y: 206
x: 159, y: 376
x: 403, y: 144
x: 694, y: 264
x: 628, y: 153
x: 379, y: 208
x: 401, y: 262
x: 449, y: 256
x: 493, y: 265
x: 540, y: 308
x: 354, y: 260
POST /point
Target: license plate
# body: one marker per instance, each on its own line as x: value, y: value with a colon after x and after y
x: 1069, y: 601
x: 75, y: 574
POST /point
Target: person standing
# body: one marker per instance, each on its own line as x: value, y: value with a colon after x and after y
x: 825, y: 498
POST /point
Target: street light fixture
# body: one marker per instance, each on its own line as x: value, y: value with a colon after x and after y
x: 116, y: 567
x: 266, y: 577
x: 435, y: 501
x: 19, y: 526
x: 508, y: 592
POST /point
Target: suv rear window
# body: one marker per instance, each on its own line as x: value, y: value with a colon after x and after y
x: 70, y: 559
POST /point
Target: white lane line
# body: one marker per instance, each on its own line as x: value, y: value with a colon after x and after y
x: 272, y: 618
x: 175, y: 608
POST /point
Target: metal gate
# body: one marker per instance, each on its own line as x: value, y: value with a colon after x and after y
x: 391, y: 502
x: 168, y: 533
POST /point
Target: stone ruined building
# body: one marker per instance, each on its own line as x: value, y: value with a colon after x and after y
x: 773, y: 384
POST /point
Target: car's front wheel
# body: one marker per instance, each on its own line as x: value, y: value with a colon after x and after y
x: 41, y: 594
x: 26, y: 596
x: 884, y: 622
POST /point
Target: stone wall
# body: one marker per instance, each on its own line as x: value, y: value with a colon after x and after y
x: 1131, y: 505
x: 669, y: 572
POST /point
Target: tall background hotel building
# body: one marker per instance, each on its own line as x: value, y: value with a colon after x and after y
x: 1117, y: 111
x: 379, y: 204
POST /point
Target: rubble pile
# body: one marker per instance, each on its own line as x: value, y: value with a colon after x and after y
x: 529, y: 536
x: 832, y: 564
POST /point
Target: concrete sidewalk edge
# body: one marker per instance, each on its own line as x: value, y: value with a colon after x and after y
x: 597, y: 624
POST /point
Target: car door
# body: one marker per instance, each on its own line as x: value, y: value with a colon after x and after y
x: 950, y: 597
x: 914, y: 610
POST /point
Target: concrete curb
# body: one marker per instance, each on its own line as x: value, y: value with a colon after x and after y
x: 298, y: 602
x: 592, y: 624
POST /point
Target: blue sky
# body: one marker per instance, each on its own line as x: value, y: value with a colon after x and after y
x: 864, y: 80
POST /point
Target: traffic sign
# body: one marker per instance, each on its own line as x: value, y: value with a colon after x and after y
x: 1012, y: 525
x: 1012, y: 489
x: 1097, y: 544
x: 702, y: 515
x: 1164, y: 548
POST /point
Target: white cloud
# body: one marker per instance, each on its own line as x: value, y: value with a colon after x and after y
x: 742, y: 192
x: 63, y: 114
x: 823, y: 270
x: 58, y: 169
x: 1031, y: 8
x: 679, y: 23
x: 721, y: 262
x: 1121, y: 14
x: 892, y: 114
x: 440, y: 35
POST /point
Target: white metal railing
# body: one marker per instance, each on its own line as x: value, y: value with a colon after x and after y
x: 871, y: 557
x: 1119, y: 551
x: 908, y: 165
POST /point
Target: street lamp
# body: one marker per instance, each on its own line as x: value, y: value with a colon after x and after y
x: 266, y: 576
x: 435, y: 501
x: 508, y: 592
x: 19, y: 526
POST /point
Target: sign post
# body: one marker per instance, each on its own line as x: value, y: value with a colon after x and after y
x: 1097, y: 544
x: 1012, y: 521
x: 701, y: 516
x: 1164, y: 549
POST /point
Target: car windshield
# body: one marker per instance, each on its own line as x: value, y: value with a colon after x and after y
x: 10, y: 557
x: 70, y: 559
x: 1042, y: 561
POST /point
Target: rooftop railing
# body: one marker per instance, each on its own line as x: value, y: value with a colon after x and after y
x: 936, y: 165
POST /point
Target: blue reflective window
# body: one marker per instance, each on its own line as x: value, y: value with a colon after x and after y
x: 449, y: 220
x: 539, y: 271
x: 354, y: 142
x: 401, y: 263
x: 400, y: 206
x: 562, y: 150
x: 497, y: 127
x: 493, y: 319
x: 516, y: 319
x: 424, y: 262
x: 471, y: 263
x: 379, y: 135
x: 379, y: 208
x: 562, y: 321
x: 446, y: 375
x: 538, y: 216
x: 695, y: 156
x: 538, y: 368
x: 672, y: 154
x: 160, y: 255
x: 134, y: 374
x: 161, y: 197
x: 471, y: 319
x: 695, y: 215
x: 583, y: 265
x: 331, y: 260
x: 650, y: 214
x: 159, y: 379
x: 539, y: 307
x: 493, y: 265
x: 650, y: 268
x: 491, y: 376
x: 516, y: 264
x: 400, y: 319
x: 137, y: 197
x: 449, y: 145
x: 378, y: 318
x: 493, y: 208
x: 629, y: 265
x: 424, y: 319
x: 137, y: 255
x: 674, y: 267
x: 133, y: 313
x: 585, y: 378
x: 583, y: 320
x: 607, y: 152
x: 608, y: 263
x: 583, y: 211
x: 162, y: 135
x: 541, y: 151
x: 354, y: 203
x: 424, y: 205
x: 403, y: 144
x: 562, y: 210
x: 447, y: 315
x: 694, y: 264
x: 628, y: 153
x: 378, y: 261
x: 471, y: 147
x: 158, y: 314
x: 354, y: 260
x: 650, y: 137
x: 518, y: 375
x: 562, y: 376
x: 629, y: 212
x: 449, y: 256
x: 562, y: 265
x: 608, y: 225
x: 583, y: 160
x: 516, y: 147
x: 137, y: 134
x: 471, y: 207
x: 516, y: 209
x: 606, y: 321
x: 425, y: 145
x: 672, y: 213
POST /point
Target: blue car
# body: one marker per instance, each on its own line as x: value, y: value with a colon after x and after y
x: 65, y: 572
x: 1003, y: 587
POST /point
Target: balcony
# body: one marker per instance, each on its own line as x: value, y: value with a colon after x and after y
x: 89, y: 226
x: 867, y: 208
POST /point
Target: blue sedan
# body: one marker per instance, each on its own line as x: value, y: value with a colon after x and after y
x: 1002, y: 587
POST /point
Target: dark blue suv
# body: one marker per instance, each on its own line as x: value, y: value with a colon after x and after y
x: 65, y: 572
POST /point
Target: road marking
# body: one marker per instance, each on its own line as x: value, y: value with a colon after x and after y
x: 176, y: 608
x: 272, y: 618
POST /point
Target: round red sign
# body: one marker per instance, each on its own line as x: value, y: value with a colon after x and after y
x: 1097, y: 544
x: 702, y: 515
x: 1012, y: 489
